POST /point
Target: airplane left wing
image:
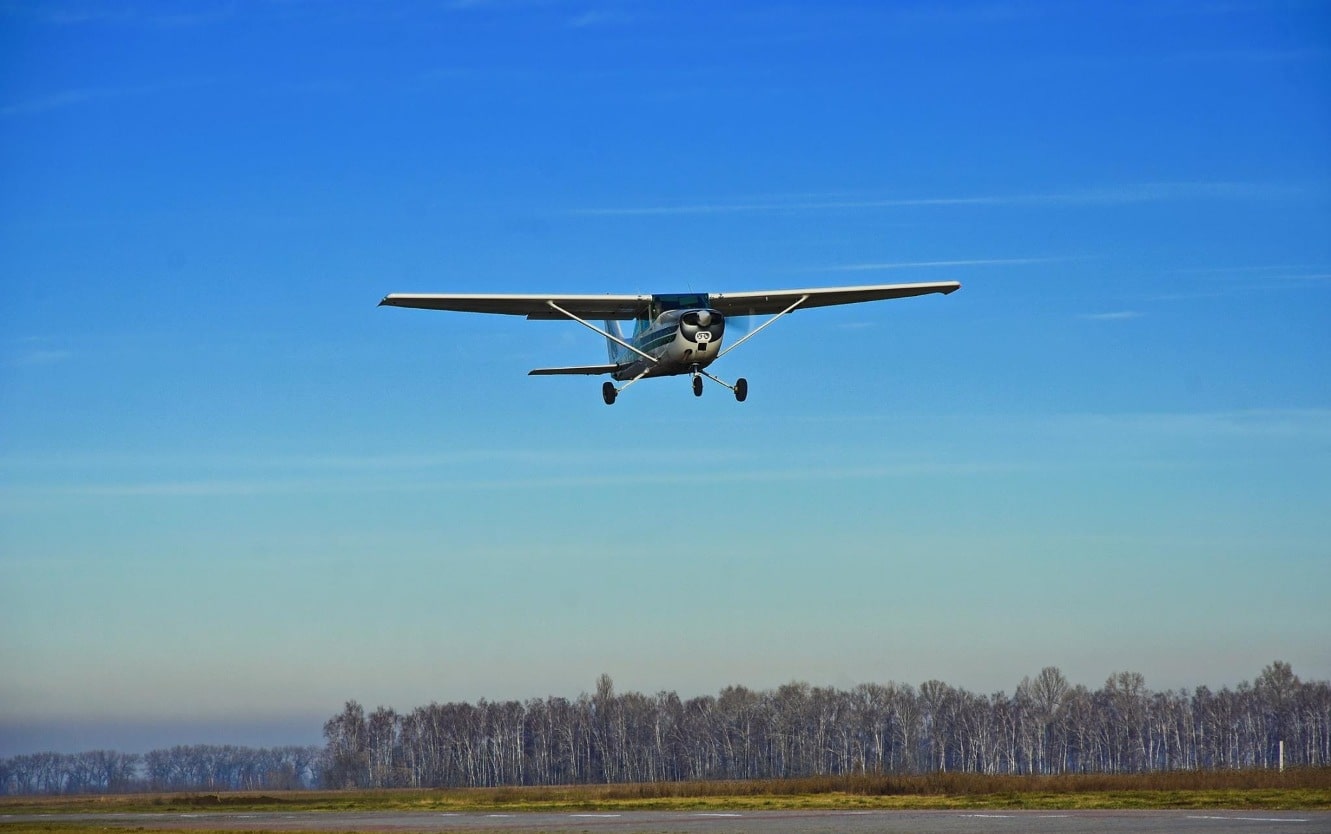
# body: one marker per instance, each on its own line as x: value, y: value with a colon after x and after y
x: 774, y: 301
x: 618, y: 307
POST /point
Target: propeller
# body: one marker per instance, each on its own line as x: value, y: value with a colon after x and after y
x: 738, y: 325
x: 695, y: 321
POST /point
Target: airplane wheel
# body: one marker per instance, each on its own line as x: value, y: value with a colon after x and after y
x: 608, y: 393
x: 697, y: 386
x: 741, y: 389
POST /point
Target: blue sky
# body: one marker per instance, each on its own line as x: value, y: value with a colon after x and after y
x: 234, y: 493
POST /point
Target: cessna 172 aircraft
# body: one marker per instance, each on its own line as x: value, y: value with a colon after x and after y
x: 673, y: 334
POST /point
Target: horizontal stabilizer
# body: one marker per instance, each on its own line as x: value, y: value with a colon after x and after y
x: 580, y: 369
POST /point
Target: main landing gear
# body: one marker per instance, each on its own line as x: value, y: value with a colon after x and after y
x: 740, y: 389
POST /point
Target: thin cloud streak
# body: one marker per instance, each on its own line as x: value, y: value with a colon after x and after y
x: 346, y: 463
x: 1228, y: 270
x: 33, y: 352
x: 1221, y: 282
x: 1300, y: 425
x: 128, y: 16
x: 1121, y: 195
x: 37, y: 358
x: 872, y: 267
x: 1120, y: 315
x: 599, y: 18
x: 1311, y: 424
x: 1251, y: 55
x: 92, y: 95
x: 210, y: 489
x: 1254, y: 422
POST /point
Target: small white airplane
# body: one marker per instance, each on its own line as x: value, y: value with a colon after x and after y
x: 673, y: 334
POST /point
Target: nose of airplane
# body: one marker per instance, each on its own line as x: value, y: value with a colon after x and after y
x: 696, y: 322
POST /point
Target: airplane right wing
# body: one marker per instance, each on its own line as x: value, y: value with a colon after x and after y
x: 774, y: 301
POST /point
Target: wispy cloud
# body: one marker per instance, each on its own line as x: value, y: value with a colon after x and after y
x: 1118, y: 315
x: 1248, y: 268
x: 1136, y: 193
x: 33, y: 352
x: 389, y: 474
x: 319, y: 465
x: 37, y: 357
x: 91, y: 95
x: 166, y: 489
x: 55, y: 101
x: 63, y: 14
x: 1256, y: 56
x: 1221, y: 281
x: 874, y: 267
x: 1302, y: 424
x: 599, y: 17
x: 1310, y: 424
x: 86, y: 14
x: 970, y: 14
x: 498, y: 5
x: 18, y: 496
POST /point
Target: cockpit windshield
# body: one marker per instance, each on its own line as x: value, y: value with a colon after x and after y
x: 665, y: 302
x: 678, y: 301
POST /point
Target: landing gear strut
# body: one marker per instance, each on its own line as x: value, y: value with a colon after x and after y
x: 609, y: 391
x: 740, y: 389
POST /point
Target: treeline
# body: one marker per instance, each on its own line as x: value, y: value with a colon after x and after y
x: 186, y: 768
x: 1047, y: 726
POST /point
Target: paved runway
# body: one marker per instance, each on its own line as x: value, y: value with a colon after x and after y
x: 781, y: 822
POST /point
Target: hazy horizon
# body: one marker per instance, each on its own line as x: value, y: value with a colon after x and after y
x: 145, y: 733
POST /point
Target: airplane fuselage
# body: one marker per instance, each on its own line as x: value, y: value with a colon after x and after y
x: 679, y: 340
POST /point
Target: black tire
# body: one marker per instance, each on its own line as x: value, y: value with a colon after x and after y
x: 741, y: 389
x: 697, y: 386
x: 608, y: 393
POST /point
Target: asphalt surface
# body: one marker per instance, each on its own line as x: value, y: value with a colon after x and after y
x: 781, y: 822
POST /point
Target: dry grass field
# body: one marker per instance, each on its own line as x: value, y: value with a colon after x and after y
x: 1306, y: 789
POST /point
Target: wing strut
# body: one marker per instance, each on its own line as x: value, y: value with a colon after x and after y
x: 759, y: 328
x: 612, y: 337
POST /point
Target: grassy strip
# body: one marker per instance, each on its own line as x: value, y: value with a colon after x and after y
x: 1303, y: 789
x: 102, y: 828
x: 1241, y: 800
